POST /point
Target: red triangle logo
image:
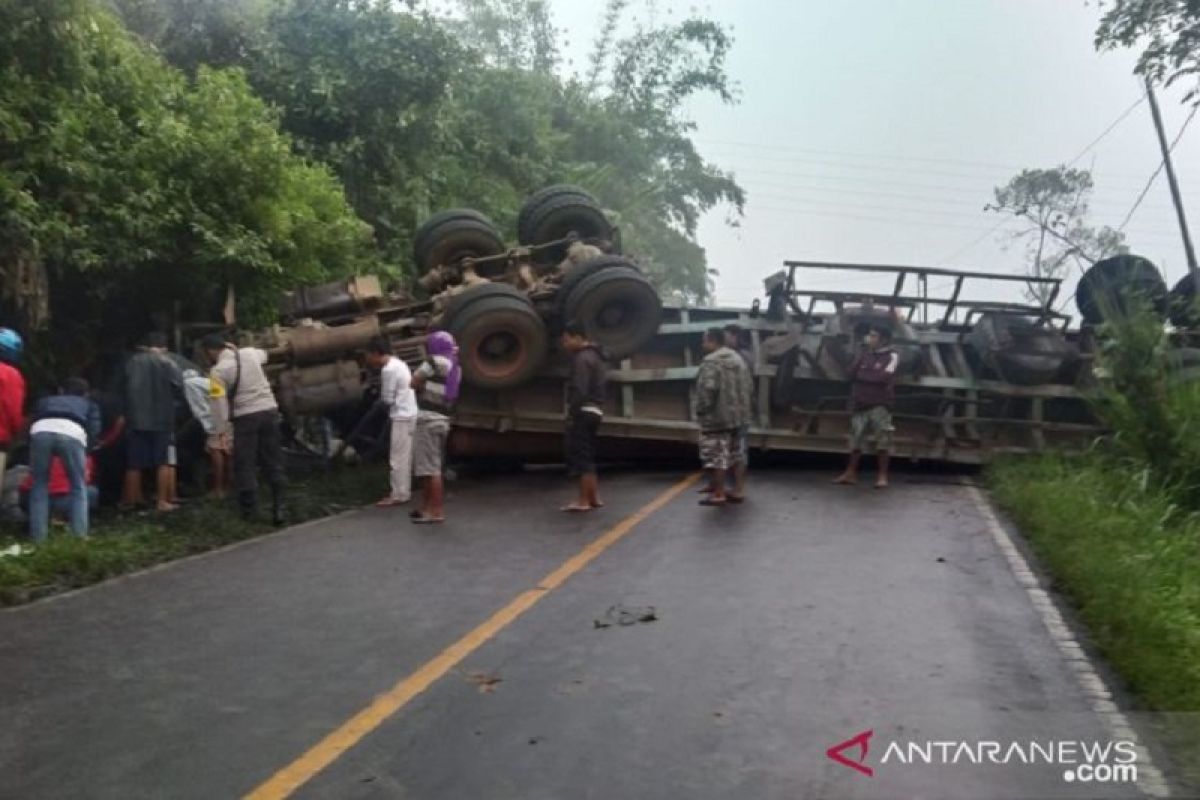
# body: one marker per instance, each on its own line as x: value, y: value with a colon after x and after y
x: 862, y: 741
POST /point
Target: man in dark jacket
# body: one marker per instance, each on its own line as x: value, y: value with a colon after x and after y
x: 871, y: 399
x: 152, y: 384
x: 585, y: 411
x: 64, y: 426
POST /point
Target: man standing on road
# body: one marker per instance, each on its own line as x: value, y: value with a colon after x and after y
x: 436, y: 383
x: 586, y: 388
x: 12, y: 393
x: 740, y: 456
x: 152, y: 383
x: 395, y: 392
x: 722, y: 405
x: 871, y: 399
x: 255, y: 414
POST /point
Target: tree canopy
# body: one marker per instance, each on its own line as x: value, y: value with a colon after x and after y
x: 416, y: 111
x: 1054, y: 205
x: 126, y: 188
x: 1168, y: 31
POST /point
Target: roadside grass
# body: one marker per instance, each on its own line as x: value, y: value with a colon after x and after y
x: 1127, y: 554
x: 122, y: 543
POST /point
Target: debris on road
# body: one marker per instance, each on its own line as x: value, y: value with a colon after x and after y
x: 619, y: 615
x: 485, y: 681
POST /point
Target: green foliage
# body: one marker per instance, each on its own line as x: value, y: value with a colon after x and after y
x: 1148, y: 403
x: 136, y: 188
x: 362, y: 87
x: 1168, y: 32
x: 1128, y: 556
x: 416, y: 113
x: 1054, y: 204
x: 121, y: 544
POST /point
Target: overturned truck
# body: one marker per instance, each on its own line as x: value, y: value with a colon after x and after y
x: 978, y: 377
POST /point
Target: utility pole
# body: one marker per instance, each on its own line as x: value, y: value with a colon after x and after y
x: 1166, y: 152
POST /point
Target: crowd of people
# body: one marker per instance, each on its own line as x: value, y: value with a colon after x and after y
x: 235, y: 405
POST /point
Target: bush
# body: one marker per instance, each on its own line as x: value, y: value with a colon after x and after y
x: 1127, y: 554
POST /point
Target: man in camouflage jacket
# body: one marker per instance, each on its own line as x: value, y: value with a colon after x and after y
x: 723, y: 404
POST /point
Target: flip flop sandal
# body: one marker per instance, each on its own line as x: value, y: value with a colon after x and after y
x: 577, y: 509
x: 708, y: 501
x: 424, y: 520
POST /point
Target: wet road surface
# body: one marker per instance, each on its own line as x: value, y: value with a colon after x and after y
x: 782, y: 627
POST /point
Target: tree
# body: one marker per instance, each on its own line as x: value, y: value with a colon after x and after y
x: 1169, y: 32
x: 416, y: 112
x: 127, y: 189
x: 1054, y: 204
x: 361, y: 87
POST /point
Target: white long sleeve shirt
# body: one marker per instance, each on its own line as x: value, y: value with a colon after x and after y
x: 396, y: 389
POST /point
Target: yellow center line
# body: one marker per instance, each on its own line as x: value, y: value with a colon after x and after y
x: 287, y: 780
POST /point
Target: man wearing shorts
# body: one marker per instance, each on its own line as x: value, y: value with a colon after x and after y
x: 871, y: 399
x: 152, y: 384
x: 723, y: 405
x: 436, y: 383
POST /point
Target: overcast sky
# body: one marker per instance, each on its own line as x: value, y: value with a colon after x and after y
x: 874, y: 131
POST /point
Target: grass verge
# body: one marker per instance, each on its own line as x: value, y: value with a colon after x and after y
x: 1127, y: 556
x: 124, y: 543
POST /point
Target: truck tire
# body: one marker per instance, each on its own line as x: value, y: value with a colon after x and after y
x: 618, y: 307
x: 580, y: 272
x: 559, y: 216
x: 1111, y: 283
x: 451, y: 236
x: 1181, y: 304
x: 455, y: 305
x: 1019, y: 350
x: 502, y: 342
x: 846, y: 329
x: 542, y: 195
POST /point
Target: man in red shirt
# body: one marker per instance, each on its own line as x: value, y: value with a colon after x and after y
x: 12, y: 393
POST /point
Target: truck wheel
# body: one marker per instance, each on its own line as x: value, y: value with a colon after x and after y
x: 542, y: 195
x: 1111, y: 282
x: 457, y: 303
x: 502, y: 341
x: 561, y: 215
x: 451, y: 236
x: 617, y: 307
x: 1020, y: 351
x: 581, y: 272
x: 1182, y: 304
x: 846, y: 329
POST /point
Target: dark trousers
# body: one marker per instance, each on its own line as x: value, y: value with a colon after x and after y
x: 256, y: 443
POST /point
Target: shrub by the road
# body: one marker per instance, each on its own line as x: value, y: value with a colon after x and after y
x: 123, y: 543
x: 1127, y: 554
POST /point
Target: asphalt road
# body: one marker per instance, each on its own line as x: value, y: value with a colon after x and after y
x: 809, y: 615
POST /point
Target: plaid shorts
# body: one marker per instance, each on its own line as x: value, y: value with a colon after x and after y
x: 717, y: 448
x: 874, y: 422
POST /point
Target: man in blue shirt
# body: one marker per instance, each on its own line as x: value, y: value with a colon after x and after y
x: 64, y: 425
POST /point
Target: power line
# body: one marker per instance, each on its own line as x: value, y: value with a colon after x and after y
x: 923, y: 213
x: 965, y: 248
x: 1159, y: 169
x: 1109, y: 129
x: 940, y: 199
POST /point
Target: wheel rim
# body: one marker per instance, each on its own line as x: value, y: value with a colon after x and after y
x: 498, y: 353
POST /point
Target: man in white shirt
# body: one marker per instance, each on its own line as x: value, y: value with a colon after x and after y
x: 395, y: 392
x: 257, y: 440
